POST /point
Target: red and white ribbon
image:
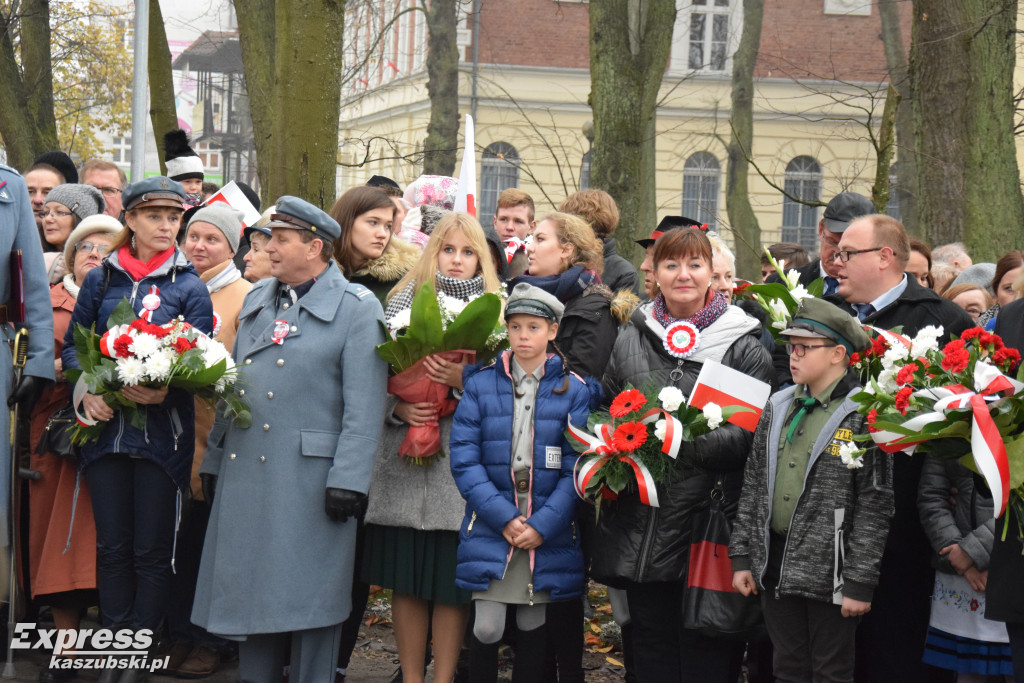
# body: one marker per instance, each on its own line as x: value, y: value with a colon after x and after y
x: 644, y: 481
x: 600, y: 444
x: 987, y: 446
x: 673, y: 430
x: 890, y: 336
x: 111, y: 336
x: 76, y: 400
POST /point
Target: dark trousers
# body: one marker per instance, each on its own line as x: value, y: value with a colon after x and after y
x: 312, y: 654
x: 564, y: 628
x: 1016, y: 632
x: 360, y: 594
x: 665, y: 651
x: 194, y: 517
x: 813, y: 641
x: 133, y: 503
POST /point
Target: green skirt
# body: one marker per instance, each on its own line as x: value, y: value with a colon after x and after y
x: 420, y: 564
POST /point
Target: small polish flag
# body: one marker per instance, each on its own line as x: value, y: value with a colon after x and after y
x: 232, y: 195
x: 465, y: 196
x: 723, y: 385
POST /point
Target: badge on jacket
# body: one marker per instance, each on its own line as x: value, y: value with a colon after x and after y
x: 553, y: 457
x: 280, y: 331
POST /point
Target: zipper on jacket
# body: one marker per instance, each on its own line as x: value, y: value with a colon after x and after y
x: 472, y: 520
x: 573, y: 525
x: 652, y: 520
x: 135, y: 289
x: 530, y: 587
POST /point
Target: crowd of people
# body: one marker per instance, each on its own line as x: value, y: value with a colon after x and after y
x: 263, y: 541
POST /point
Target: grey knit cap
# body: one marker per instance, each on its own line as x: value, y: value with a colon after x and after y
x: 980, y: 274
x: 81, y: 200
x: 224, y: 218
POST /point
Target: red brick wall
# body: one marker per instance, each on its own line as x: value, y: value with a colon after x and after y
x: 799, y: 39
x: 533, y: 33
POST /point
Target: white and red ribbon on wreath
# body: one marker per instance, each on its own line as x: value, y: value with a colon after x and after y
x: 601, y: 445
x: 673, y: 430
x: 77, y: 395
x: 890, y: 336
x: 987, y: 447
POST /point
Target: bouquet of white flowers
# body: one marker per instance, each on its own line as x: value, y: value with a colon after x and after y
x: 134, y: 351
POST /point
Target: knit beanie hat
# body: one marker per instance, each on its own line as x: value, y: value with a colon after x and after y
x: 81, y: 200
x: 100, y: 223
x: 222, y: 217
x: 182, y: 161
x: 60, y: 161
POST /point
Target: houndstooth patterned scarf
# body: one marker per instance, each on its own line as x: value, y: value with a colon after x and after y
x: 453, y: 287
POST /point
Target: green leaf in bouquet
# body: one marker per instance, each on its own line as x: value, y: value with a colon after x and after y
x: 402, y: 353
x: 774, y: 290
x: 817, y: 288
x: 194, y: 380
x: 123, y: 314
x: 237, y: 410
x: 425, y: 318
x: 1015, y: 456
x: 192, y: 361
x: 474, y: 324
x: 87, y: 346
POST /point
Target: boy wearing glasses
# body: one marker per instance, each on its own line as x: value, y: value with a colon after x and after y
x: 813, y: 515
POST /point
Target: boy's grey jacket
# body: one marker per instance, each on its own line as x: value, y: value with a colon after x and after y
x: 969, y: 523
x: 864, y: 494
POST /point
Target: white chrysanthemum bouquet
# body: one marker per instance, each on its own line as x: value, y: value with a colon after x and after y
x: 134, y: 351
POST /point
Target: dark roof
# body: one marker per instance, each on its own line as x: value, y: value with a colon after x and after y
x: 214, y: 51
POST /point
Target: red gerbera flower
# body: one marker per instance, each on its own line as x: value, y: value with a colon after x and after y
x: 627, y: 402
x: 956, y: 361
x: 879, y: 346
x: 629, y: 436
x: 972, y: 333
x: 906, y: 374
x: 121, y: 345
x: 903, y: 399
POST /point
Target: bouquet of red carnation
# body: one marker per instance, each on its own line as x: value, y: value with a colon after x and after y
x: 634, y: 445
x: 134, y: 351
x: 958, y: 401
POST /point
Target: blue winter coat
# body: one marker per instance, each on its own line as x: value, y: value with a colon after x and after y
x: 169, y: 437
x: 481, y: 461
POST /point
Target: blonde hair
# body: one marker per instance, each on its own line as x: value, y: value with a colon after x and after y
x: 426, y: 267
x: 718, y: 246
x: 588, y: 251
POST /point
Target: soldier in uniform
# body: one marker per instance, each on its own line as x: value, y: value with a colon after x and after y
x: 278, y: 560
x: 19, y: 234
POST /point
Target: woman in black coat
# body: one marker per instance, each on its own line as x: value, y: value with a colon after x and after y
x: 1005, y: 591
x: 643, y: 549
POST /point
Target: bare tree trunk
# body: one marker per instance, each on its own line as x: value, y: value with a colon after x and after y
x: 27, y: 122
x: 885, y: 147
x: 441, y: 144
x: 256, y: 39
x: 961, y: 66
x: 162, y: 112
x: 629, y: 48
x: 896, y: 60
x: 737, y: 198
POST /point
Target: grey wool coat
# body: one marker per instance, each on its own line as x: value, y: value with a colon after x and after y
x: 406, y: 495
x: 273, y: 561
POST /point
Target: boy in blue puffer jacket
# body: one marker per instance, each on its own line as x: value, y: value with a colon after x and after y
x: 512, y: 463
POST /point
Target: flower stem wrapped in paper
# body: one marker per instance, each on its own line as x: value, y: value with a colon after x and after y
x: 458, y: 332
x: 779, y: 299
x: 135, y: 352
x: 634, y: 446
x: 957, y: 401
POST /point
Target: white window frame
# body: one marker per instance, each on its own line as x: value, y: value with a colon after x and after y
x: 806, y: 234
x: 679, y: 59
x: 697, y: 167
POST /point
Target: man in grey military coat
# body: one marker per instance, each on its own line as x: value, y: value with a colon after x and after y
x: 277, y: 565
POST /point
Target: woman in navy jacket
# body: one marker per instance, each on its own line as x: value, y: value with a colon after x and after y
x: 131, y: 469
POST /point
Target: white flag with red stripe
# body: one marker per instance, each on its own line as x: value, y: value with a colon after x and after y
x: 231, y: 194
x: 720, y: 384
x: 465, y: 195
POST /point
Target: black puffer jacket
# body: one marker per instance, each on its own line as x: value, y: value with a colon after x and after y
x: 587, y: 332
x: 633, y: 542
x: 619, y: 273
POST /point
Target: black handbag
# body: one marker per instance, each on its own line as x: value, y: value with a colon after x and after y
x: 710, y: 603
x: 56, y: 438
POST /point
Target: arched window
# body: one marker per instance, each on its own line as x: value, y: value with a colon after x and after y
x: 893, y: 207
x: 701, y: 177
x: 499, y: 170
x: 800, y: 221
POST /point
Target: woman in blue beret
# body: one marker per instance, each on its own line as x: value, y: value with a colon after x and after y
x: 137, y: 476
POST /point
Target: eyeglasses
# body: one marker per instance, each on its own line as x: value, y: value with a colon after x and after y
x: 85, y: 247
x: 56, y: 214
x: 109, y: 191
x: 845, y: 254
x: 800, y: 349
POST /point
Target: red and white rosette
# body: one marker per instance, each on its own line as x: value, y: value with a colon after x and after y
x: 682, y: 339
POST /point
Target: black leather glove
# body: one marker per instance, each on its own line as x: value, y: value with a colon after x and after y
x: 340, y: 504
x: 208, y: 483
x: 27, y: 392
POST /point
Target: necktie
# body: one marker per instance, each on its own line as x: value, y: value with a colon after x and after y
x: 831, y: 286
x: 806, y: 404
x: 863, y: 310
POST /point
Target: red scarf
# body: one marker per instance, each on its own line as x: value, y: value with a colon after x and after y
x: 136, y: 268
